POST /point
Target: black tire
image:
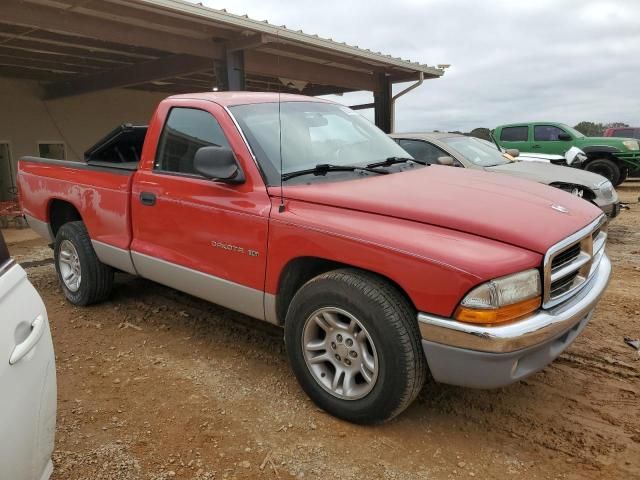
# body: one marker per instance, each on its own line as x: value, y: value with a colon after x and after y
x: 96, y: 281
x: 605, y: 167
x: 390, y: 321
x: 624, y: 173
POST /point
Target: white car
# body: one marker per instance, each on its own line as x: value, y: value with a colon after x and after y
x: 27, y: 377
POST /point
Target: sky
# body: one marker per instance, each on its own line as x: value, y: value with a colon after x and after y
x: 511, y: 60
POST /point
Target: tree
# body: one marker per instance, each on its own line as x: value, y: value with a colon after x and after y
x: 590, y: 129
x: 481, y: 132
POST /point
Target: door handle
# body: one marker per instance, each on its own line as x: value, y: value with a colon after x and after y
x: 535, y: 146
x: 20, y: 350
x: 148, y: 199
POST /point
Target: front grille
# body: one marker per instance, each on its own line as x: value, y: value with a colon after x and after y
x: 563, y: 285
x: 569, y: 264
x: 564, y: 257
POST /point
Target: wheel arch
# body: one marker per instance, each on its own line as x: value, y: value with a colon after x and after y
x: 60, y: 212
x: 599, y: 151
x: 300, y: 270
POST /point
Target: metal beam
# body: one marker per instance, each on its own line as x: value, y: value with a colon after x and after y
x: 39, y: 16
x: 59, y: 58
x: 280, y: 66
x: 382, y: 102
x: 247, y: 42
x: 145, y: 72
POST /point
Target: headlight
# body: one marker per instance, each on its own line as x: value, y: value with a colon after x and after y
x: 606, y: 187
x: 631, y: 144
x: 577, y: 190
x: 502, y: 299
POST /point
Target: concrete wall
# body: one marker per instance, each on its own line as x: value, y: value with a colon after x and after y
x: 78, y: 121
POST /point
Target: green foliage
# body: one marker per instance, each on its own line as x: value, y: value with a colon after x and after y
x: 591, y: 129
x: 481, y: 132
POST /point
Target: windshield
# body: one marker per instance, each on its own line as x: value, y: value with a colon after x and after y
x: 313, y: 133
x: 575, y: 133
x: 479, y: 152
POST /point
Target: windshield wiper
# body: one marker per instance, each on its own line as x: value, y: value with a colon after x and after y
x: 394, y: 161
x: 323, y: 168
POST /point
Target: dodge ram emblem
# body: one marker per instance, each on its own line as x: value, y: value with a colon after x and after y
x: 560, y: 208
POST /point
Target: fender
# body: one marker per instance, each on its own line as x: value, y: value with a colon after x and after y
x: 591, y: 149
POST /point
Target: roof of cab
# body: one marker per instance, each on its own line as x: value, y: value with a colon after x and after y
x: 243, y: 98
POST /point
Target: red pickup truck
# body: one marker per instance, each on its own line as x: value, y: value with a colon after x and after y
x: 299, y: 212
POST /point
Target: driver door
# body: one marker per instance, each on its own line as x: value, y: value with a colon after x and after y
x: 196, y: 235
x: 546, y: 140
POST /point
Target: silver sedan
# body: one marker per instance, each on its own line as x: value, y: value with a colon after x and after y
x: 469, y: 152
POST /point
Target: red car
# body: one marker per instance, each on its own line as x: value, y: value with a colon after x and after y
x: 300, y: 212
x: 627, y: 132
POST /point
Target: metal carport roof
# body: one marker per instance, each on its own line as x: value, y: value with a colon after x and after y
x: 173, y: 46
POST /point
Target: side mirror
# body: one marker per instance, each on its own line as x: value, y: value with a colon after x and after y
x: 448, y: 161
x: 514, y: 152
x: 564, y: 137
x: 219, y: 164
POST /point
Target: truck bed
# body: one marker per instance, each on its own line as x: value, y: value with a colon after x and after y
x: 99, y: 191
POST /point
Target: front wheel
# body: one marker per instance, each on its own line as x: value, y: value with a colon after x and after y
x: 354, y: 346
x: 605, y: 167
x: 624, y: 173
x: 84, y: 279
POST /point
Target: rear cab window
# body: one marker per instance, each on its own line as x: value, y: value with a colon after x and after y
x: 515, y: 134
x: 185, y: 132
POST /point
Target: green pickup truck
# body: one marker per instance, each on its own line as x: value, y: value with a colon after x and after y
x: 610, y: 157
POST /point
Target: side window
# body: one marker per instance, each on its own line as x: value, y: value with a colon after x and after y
x: 186, y: 130
x: 515, y: 134
x: 423, y: 151
x: 623, y: 132
x: 546, y: 133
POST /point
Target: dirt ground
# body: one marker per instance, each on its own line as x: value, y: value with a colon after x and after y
x: 155, y: 384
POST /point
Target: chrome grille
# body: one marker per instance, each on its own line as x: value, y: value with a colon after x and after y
x: 569, y: 264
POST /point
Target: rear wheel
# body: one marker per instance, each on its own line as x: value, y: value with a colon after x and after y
x: 354, y: 346
x: 605, y: 167
x: 624, y: 173
x: 84, y: 278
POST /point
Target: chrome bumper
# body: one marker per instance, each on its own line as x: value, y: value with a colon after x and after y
x: 536, y: 329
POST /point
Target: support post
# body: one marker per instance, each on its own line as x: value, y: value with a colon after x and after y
x: 235, y: 70
x: 382, y: 103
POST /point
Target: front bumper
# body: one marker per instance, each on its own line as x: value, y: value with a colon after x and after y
x: 494, y: 356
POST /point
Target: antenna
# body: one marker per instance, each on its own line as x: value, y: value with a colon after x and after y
x: 281, y: 207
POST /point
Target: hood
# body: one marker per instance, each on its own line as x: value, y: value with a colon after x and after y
x: 548, y: 173
x: 490, y: 205
x: 604, y: 141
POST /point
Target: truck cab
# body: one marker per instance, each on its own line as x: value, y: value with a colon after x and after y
x: 607, y: 156
x: 300, y: 212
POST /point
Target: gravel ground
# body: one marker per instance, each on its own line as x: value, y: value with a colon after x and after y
x: 155, y: 384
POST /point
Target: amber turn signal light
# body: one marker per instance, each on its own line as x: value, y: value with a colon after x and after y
x: 497, y: 315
